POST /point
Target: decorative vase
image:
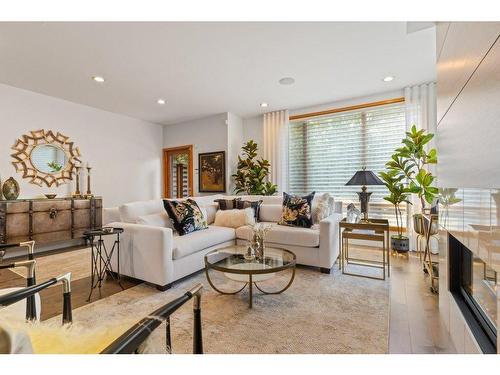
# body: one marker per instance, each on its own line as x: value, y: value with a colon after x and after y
x: 259, y: 251
x: 10, y: 189
x: 400, y: 244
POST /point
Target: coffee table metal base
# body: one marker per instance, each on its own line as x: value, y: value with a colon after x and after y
x: 250, y: 284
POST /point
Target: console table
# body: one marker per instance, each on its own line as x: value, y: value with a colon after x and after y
x: 48, y: 220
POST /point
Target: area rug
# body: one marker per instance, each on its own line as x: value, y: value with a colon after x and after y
x: 319, y: 313
x: 48, y: 266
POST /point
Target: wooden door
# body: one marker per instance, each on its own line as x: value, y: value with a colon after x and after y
x: 178, y: 171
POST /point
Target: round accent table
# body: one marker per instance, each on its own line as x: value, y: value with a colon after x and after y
x: 233, y: 262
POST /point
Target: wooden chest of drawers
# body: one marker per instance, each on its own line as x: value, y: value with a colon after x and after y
x: 48, y: 220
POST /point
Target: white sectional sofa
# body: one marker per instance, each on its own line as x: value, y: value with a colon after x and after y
x: 151, y: 251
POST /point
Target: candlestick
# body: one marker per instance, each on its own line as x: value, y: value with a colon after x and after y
x: 89, y: 192
x: 77, y: 193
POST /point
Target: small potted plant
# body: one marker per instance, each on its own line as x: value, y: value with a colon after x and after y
x: 398, y: 194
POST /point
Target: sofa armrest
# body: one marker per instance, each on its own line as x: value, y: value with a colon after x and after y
x: 329, y: 240
x: 145, y: 252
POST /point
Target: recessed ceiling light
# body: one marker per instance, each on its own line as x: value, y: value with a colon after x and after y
x: 287, y: 81
x: 98, y: 79
x: 160, y: 101
x: 264, y: 105
x: 388, y: 79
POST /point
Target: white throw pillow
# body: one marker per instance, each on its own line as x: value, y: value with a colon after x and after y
x: 234, y: 218
x: 323, y: 208
x: 211, y: 210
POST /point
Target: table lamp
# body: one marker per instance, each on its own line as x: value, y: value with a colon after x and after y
x: 363, y: 178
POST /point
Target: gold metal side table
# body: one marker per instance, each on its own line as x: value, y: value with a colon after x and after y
x: 371, y: 230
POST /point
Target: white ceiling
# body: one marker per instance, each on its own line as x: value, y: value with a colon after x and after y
x: 206, y: 68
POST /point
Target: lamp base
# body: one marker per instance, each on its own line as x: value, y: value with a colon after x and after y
x: 364, y: 198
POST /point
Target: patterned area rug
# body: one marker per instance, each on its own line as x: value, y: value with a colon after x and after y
x: 319, y: 313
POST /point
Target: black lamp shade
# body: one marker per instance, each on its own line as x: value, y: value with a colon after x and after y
x: 364, y: 177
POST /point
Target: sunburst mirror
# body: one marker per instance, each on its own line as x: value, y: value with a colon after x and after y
x: 45, y: 158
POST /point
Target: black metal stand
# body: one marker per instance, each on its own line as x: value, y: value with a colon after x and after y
x: 100, y: 261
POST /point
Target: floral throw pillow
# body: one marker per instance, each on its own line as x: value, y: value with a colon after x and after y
x: 186, y: 216
x: 297, y: 210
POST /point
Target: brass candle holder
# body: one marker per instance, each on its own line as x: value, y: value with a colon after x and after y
x: 77, y: 193
x: 89, y: 194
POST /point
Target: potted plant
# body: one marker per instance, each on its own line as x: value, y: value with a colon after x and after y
x: 411, y: 161
x: 252, y: 174
x: 398, y: 194
x: 409, y: 164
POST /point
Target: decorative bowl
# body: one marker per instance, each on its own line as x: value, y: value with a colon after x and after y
x: 50, y: 196
x: 108, y: 229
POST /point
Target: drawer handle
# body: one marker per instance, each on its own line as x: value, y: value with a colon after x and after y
x: 52, y: 213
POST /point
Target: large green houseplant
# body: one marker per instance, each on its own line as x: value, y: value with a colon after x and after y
x: 252, y: 173
x: 409, y: 167
x: 411, y: 161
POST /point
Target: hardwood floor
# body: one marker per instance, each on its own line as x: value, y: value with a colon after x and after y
x: 51, y: 298
x: 414, y: 326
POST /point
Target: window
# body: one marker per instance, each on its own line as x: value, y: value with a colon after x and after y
x: 325, y: 152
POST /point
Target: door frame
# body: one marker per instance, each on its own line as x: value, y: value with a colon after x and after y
x: 166, y: 167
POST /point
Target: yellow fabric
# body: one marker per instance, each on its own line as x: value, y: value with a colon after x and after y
x: 70, y: 339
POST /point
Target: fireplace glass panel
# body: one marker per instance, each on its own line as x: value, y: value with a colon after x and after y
x: 480, y: 282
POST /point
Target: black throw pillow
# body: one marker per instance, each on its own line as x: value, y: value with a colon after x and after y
x: 297, y: 210
x: 227, y: 204
x: 186, y: 216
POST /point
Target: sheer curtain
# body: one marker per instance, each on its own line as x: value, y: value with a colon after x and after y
x: 420, y: 105
x: 276, y: 147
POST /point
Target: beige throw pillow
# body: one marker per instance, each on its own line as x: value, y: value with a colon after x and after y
x: 234, y: 218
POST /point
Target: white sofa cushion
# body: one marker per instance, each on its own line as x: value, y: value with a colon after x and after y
x: 273, y: 199
x: 270, y: 212
x: 160, y: 219
x: 130, y: 212
x: 235, y: 218
x: 201, y: 239
x: 206, y: 200
x: 281, y: 234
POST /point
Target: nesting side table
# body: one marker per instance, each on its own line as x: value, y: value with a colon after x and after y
x: 371, y: 230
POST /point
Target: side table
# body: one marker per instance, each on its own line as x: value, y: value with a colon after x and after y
x: 100, y: 261
x: 371, y: 230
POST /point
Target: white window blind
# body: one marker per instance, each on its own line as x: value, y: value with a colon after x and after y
x: 325, y: 152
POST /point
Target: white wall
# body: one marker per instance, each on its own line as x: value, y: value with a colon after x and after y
x: 208, y: 134
x: 235, y: 138
x: 252, y: 129
x: 125, y: 153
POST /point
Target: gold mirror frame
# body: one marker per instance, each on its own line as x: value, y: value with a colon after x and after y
x: 22, y: 157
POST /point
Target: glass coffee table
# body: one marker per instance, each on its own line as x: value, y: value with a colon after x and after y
x: 236, y: 265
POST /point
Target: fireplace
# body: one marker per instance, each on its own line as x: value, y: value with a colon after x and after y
x: 473, y: 286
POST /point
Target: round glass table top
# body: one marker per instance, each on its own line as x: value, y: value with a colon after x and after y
x: 234, y: 259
